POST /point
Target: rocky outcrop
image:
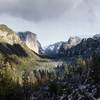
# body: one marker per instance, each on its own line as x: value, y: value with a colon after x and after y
x: 8, y: 35
x: 30, y: 39
x: 75, y: 47
x: 56, y: 49
x: 85, y: 48
x: 73, y: 41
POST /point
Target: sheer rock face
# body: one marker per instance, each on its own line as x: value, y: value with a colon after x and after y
x: 8, y: 35
x: 54, y: 49
x: 30, y: 39
x: 73, y: 41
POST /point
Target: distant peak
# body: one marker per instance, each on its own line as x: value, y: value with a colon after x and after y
x: 3, y: 25
x: 8, y: 35
x: 26, y: 33
x: 74, y: 40
x: 5, y: 28
x: 74, y: 37
x: 96, y: 36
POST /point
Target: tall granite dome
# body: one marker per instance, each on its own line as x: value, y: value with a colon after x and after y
x: 30, y: 39
x: 73, y: 41
x: 8, y: 35
x: 55, y: 48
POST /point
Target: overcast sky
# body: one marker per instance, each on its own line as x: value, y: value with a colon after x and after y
x: 52, y: 20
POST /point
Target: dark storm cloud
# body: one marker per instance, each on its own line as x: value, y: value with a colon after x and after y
x: 36, y: 10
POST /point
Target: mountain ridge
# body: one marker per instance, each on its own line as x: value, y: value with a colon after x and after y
x: 69, y: 70
x: 8, y: 35
x: 63, y: 48
x: 75, y: 46
x: 27, y: 38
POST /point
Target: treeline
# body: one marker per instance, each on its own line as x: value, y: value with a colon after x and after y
x: 15, y: 86
x: 77, y: 81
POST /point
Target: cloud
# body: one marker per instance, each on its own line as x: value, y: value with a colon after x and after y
x: 34, y: 9
x: 37, y: 10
